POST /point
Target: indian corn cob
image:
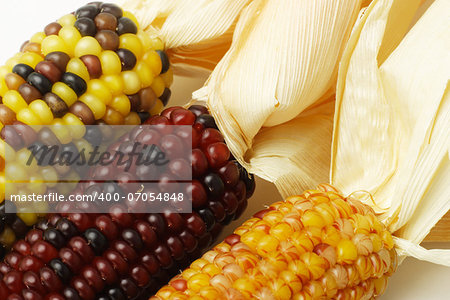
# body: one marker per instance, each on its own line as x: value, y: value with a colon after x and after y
x: 318, y: 245
x: 118, y: 255
x: 91, y: 66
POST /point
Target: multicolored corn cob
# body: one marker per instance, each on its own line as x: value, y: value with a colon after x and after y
x: 91, y: 66
x: 118, y: 255
x: 318, y: 245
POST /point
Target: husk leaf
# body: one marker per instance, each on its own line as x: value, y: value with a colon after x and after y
x: 196, y: 33
x: 391, y: 133
x: 269, y: 93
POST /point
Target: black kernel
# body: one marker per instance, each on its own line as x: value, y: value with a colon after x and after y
x: 87, y: 11
x: 207, y: 121
x: 116, y: 294
x: 207, y: 217
x: 112, y: 9
x: 214, y: 185
x: 71, y: 294
x: 19, y: 227
x: 96, y: 240
x: 61, y: 269
x: 23, y: 70
x: 86, y: 26
x: 40, y: 82
x: 127, y: 58
x: 143, y: 116
x: 75, y: 82
x: 54, y: 237
x: 165, y: 96
x: 126, y: 25
x: 67, y: 228
x: 164, y: 61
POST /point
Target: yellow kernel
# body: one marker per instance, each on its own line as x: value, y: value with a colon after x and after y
x: 99, y: 89
x: 87, y: 45
x: 152, y: 59
x: 14, y: 101
x: 81, y: 145
x: 110, y: 62
x: 15, y: 172
x: 3, y: 87
x: 70, y: 35
x: 280, y: 289
x: 31, y: 59
x: 167, y: 77
x: 97, y: 107
x: 49, y: 175
x: 76, y: 126
x: 53, y: 43
x: 131, y: 81
x: 346, y: 251
x: 312, y: 218
x: 244, y: 286
x: 199, y: 264
x: 7, y: 236
x: 132, y: 119
x: 157, y: 108
x: 327, y: 211
x: 77, y: 67
x: 266, y: 245
x: 211, y: 270
x: 114, y: 83
x: 41, y: 109
x: 121, y: 104
x: 292, y: 280
x: 144, y: 73
x: 131, y: 42
x: 28, y: 117
x: 67, y: 20
x: 38, y: 37
x: 188, y: 273
x: 131, y: 16
x: 252, y: 238
x: 61, y: 131
x: 112, y: 117
x: 209, y: 293
x: 387, y: 239
x: 36, y: 184
x: 65, y: 93
x: 198, y: 281
x: 376, y: 242
x: 281, y: 231
x: 380, y: 285
x: 11, y: 62
x: 316, y: 264
x: 156, y: 43
x: 27, y: 216
x: 158, y: 86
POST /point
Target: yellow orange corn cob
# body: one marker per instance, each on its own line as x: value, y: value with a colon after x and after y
x: 318, y: 245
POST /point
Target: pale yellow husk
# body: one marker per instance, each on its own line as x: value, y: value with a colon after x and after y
x: 272, y: 93
x: 392, y: 122
x: 196, y: 33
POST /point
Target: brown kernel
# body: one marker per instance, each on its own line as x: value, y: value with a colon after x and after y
x: 32, y: 47
x: 135, y: 102
x: 56, y: 105
x: 148, y: 99
x: 52, y: 28
x: 60, y: 59
x: 49, y: 70
x: 29, y: 92
x: 105, y: 21
x: 13, y: 81
x: 7, y: 115
x: 83, y: 112
x: 93, y: 65
x: 108, y: 39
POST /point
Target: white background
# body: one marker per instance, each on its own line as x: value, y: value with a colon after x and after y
x: 20, y: 19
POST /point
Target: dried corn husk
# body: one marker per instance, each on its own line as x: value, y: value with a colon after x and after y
x: 391, y: 135
x: 272, y: 93
x: 196, y: 33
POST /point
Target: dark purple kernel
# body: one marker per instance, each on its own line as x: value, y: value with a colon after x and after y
x: 214, y: 185
x: 40, y: 82
x: 23, y: 70
x: 85, y: 26
x: 87, y: 11
x: 75, y: 82
x: 132, y: 238
x: 96, y: 240
x: 207, y: 121
x: 111, y: 8
x: 165, y: 96
x: 127, y: 58
x: 54, y: 237
x: 61, y: 269
x: 164, y: 61
x: 126, y: 25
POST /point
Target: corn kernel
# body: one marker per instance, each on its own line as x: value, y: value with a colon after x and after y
x: 87, y: 45
x: 346, y: 251
x: 252, y: 238
x: 133, y: 43
x: 41, y: 109
x: 110, y: 61
x: 53, y: 43
x: 77, y: 67
x: 7, y: 236
x: 198, y: 281
x: 77, y: 128
x: 211, y: 269
x: 282, y: 231
x: 245, y: 286
x: 38, y: 37
x: 14, y: 101
x: 145, y: 74
x: 67, y: 20
x: 153, y: 61
x: 114, y: 83
x: 71, y: 36
x: 64, y: 92
x: 387, y: 239
x: 132, y: 83
x: 158, y: 86
x: 292, y: 280
x: 220, y: 282
x: 313, y: 219
x: 97, y: 107
x: 132, y: 119
x: 31, y: 59
x: 167, y: 77
x: 27, y: 116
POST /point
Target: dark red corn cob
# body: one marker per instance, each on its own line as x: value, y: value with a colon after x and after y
x: 118, y: 255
